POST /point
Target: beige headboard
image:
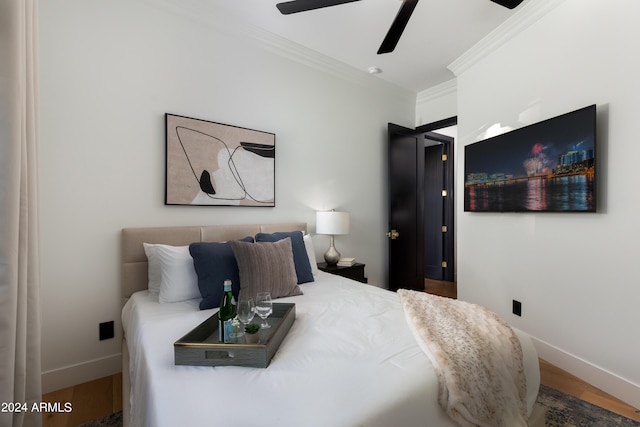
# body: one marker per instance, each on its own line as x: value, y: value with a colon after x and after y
x: 134, y: 266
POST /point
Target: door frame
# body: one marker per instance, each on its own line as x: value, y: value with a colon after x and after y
x: 444, y: 123
x: 449, y: 206
x: 449, y: 213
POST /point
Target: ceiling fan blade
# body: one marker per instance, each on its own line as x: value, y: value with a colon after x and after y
x: 296, y: 6
x: 509, y: 4
x: 393, y: 36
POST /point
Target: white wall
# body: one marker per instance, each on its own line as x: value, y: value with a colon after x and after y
x: 577, y: 275
x: 109, y: 72
x: 437, y: 103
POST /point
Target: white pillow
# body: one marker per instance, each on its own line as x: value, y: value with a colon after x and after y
x: 311, y: 253
x: 174, y: 266
x: 154, y: 268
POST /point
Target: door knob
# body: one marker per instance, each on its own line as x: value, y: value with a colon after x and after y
x: 393, y: 234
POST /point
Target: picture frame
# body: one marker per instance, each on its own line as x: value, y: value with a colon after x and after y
x: 214, y: 164
x: 549, y: 166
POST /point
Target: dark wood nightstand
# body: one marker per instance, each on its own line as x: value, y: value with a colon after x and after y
x: 354, y: 272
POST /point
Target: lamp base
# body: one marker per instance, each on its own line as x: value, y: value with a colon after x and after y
x: 332, y: 256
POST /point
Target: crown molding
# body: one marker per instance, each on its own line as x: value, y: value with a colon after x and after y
x: 526, y: 16
x: 438, y: 91
x: 207, y: 15
x: 311, y: 58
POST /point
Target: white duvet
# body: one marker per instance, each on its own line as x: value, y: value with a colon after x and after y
x: 349, y: 360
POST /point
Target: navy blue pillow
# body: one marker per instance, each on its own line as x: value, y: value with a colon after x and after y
x: 300, y: 257
x: 214, y: 263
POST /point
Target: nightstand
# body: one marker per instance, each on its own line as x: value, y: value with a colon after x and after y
x: 354, y: 272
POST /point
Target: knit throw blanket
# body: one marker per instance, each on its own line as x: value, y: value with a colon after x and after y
x: 477, y: 359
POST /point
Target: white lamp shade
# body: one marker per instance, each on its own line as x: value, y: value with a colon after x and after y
x: 332, y: 222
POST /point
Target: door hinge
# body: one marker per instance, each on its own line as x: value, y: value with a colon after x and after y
x: 444, y: 264
x: 444, y: 157
x: 444, y: 228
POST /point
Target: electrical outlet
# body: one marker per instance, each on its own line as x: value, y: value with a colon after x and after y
x: 106, y: 330
x: 517, y: 308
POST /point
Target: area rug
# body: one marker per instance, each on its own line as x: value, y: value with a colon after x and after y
x: 562, y: 411
x: 112, y: 420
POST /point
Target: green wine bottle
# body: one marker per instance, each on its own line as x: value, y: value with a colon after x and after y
x: 226, y: 314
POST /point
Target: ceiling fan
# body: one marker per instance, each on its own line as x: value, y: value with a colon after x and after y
x: 397, y: 27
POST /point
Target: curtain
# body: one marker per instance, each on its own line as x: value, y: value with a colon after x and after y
x: 20, y: 371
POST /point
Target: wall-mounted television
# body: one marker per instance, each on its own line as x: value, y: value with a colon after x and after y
x: 548, y: 166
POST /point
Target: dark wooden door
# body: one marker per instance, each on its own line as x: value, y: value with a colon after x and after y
x: 411, y: 208
x: 405, y: 232
x: 438, y: 209
x: 448, y: 212
x: 433, y: 212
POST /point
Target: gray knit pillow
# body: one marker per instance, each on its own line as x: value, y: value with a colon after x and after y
x: 266, y: 267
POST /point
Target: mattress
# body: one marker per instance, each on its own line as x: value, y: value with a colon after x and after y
x: 349, y: 360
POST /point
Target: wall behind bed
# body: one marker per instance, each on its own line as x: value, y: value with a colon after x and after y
x: 109, y: 72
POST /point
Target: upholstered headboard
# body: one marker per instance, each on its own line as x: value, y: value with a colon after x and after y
x: 134, y: 268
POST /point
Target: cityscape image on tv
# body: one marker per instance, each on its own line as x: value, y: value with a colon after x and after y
x: 549, y: 169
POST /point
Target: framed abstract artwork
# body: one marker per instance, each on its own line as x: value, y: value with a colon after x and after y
x: 213, y: 164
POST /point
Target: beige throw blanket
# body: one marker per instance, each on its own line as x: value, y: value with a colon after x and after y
x: 477, y: 358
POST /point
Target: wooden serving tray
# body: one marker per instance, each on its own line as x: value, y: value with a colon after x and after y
x: 200, y: 347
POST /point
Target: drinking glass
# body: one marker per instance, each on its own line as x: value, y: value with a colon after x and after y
x: 264, y: 307
x: 246, y: 310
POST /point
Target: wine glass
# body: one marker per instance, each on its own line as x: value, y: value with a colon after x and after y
x: 264, y: 307
x: 246, y: 310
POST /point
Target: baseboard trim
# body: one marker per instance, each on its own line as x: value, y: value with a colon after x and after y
x: 68, y: 376
x: 598, y: 377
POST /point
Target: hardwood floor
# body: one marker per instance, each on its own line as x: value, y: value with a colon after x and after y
x: 89, y: 401
x: 442, y: 288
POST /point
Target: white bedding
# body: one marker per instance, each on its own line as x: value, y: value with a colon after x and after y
x: 349, y: 360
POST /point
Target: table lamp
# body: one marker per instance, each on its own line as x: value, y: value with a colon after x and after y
x: 332, y: 223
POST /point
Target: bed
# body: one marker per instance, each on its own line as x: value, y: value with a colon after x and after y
x: 349, y: 359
